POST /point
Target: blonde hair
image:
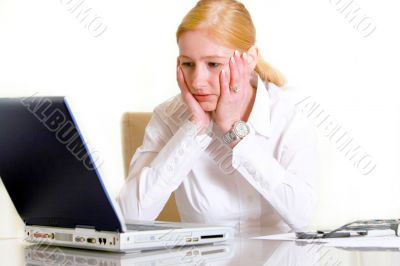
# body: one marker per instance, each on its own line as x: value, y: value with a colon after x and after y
x: 230, y: 24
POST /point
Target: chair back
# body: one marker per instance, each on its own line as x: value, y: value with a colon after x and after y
x: 133, y: 127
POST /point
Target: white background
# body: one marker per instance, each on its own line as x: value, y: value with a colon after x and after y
x: 45, y: 49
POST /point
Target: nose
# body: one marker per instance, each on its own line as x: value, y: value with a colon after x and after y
x: 200, y: 78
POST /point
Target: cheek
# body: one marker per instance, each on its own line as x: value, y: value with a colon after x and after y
x: 216, y: 88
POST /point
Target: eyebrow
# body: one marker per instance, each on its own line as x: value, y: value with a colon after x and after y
x: 207, y: 57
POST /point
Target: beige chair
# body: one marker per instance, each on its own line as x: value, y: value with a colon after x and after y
x: 133, y: 126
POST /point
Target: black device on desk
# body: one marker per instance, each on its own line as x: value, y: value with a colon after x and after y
x: 356, y: 228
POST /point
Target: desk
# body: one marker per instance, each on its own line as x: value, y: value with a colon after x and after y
x: 16, y: 252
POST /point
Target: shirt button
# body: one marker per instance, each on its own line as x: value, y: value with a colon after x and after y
x: 251, y: 170
x: 180, y: 152
x: 191, y: 129
x: 176, y: 160
x: 264, y: 184
x: 257, y: 177
x: 170, y: 167
x: 235, y: 162
x: 185, y: 144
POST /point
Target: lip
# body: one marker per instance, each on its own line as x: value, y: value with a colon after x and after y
x: 203, y: 97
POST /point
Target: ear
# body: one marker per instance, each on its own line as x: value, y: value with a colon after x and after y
x: 253, y: 55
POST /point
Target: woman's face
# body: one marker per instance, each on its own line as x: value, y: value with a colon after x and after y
x: 202, y: 60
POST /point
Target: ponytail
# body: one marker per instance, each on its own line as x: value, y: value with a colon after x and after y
x: 269, y: 74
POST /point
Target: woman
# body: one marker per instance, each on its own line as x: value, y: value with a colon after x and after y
x: 231, y: 147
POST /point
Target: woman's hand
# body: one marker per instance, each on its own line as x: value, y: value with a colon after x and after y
x: 235, y: 93
x: 199, y: 117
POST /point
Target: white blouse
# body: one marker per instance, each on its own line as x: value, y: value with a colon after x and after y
x: 266, y: 183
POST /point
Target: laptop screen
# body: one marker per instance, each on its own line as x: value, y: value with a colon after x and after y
x: 47, y: 169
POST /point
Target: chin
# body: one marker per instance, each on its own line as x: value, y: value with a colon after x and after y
x: 208, y: 107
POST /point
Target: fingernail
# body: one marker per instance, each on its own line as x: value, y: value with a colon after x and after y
x: 223, y: 72
x: 237, y: 53
x: 246, y: 57
x: 233, y: 60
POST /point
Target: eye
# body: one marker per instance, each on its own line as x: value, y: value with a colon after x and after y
x: 187, y: 64
x: 214, y: 65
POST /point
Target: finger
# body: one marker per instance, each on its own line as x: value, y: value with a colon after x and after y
x: 224, y: 85
x: 239, y: 64
x: 181, y: 79
x: 234, y: 78
x: 185, y: 93
x: 182, y: 85
x: 246, y: 65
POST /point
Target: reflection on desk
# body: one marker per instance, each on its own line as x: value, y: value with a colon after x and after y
x: 202, y: 255
x: 246, y: 252
x: 236, y: 253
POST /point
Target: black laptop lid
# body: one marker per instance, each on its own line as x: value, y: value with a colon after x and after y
x: 46, y: 168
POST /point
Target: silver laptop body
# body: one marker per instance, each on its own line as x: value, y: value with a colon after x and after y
x: 141, y: 236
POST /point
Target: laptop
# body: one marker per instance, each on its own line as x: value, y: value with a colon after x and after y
x: 56, y: 188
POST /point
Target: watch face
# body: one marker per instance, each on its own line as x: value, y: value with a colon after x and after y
x: 241, y: 129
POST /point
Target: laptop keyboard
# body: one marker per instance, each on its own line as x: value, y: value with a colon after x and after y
x: 144, y: 227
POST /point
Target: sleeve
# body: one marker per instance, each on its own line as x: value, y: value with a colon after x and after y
x: 287, y: 183
x: 158, y: 167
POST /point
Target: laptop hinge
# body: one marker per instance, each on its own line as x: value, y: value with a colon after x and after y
x: 85, y: 227
x: 92, y: 228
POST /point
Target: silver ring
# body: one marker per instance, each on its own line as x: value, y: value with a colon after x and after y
x: 236, y: 89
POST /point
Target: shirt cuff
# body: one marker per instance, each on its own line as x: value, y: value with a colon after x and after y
x: 258, y: 166
x: 178, y: 155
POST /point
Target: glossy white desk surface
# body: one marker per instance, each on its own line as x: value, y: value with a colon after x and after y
x: 239, y: 252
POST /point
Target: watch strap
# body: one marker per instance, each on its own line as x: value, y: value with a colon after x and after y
x: 229, y: 137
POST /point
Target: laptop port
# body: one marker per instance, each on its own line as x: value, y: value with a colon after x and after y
x: 212, y: 236
x: 79, y: 239
x: 40, y: 235
x: 195, y: 239
x: 91, y: 240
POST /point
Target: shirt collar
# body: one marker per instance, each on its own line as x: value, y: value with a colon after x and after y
x: 260, y: 115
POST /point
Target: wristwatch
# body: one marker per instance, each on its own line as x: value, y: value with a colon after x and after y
x: 239, y: 130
